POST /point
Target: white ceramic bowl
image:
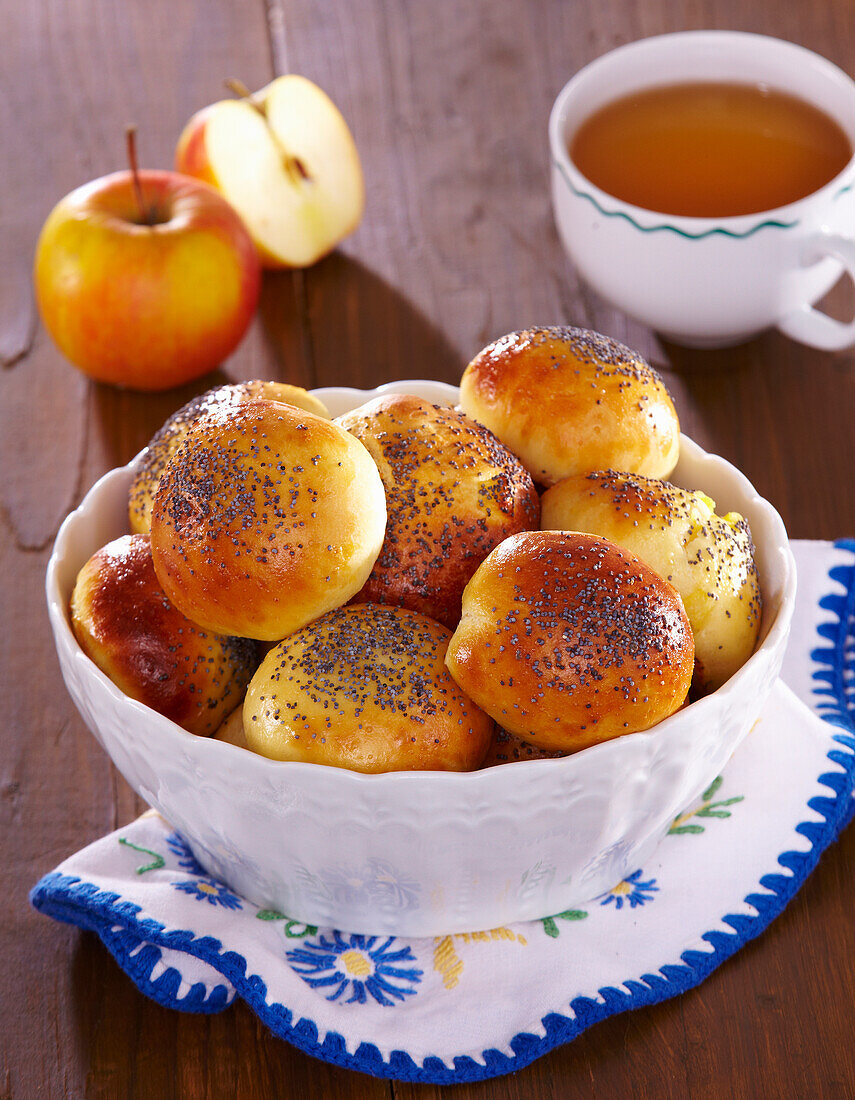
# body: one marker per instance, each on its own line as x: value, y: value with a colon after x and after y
x: 422, y: 853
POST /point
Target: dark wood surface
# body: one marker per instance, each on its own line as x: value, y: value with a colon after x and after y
x: 448, y: 103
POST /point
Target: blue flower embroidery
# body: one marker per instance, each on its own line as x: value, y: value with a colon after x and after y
x: 357, y: 965
x: 186, y: 860
x: 202, y: 887
x: 630, y: 889
x: 211, y: 891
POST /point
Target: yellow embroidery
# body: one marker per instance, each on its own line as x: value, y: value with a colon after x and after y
x: 705, y: 808
x: 355, y: 963
x: 448, y: 963
x: 507, y: 934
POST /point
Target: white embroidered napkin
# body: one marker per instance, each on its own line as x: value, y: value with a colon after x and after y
x: 468, y: 1007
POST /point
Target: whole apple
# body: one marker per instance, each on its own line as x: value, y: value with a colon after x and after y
x: 149, y: 288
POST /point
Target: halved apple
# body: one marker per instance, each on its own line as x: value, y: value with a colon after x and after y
x: 286, y: 161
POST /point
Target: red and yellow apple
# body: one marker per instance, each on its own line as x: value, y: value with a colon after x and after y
x: 286, y: 161
x: 146, y: 296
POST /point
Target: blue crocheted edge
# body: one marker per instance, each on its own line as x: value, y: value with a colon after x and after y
x: 71, y: 900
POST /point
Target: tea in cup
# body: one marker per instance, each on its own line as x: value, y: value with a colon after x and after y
x: 704, y: 182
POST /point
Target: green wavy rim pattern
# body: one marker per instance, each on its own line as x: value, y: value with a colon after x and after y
x: 718, y: 231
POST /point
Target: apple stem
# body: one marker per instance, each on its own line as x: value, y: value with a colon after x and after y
x: 242, y: 92
x: 293, y: 165
x: 131, y: 142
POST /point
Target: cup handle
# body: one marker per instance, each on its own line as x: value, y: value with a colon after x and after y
x: 809, y: 325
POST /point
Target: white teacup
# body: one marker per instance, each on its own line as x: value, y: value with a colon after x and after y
x: 710, y: 282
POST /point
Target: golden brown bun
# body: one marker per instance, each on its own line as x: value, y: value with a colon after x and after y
x: 127, y: 626
x: 567, y: 640
x: 568, y: 401
x: 507, y: 748
x: 708, y: 558
x: 231, y: 729
x: 165, y: 442
x: 365, y: 688
x: 266, y: 517
x: 453, y: 492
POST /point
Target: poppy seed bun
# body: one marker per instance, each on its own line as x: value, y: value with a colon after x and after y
x: 366, y: 688
x: 507, y: 748
x: 567, y: 640
x: 151, y: 652
x: 708, y: 558
x: 165, y: 442
x: 265, y: 518
x: 453, y: 492
x: 567, y: 401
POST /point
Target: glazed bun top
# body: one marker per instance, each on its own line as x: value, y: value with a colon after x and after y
x: 708, y: 558
x: 567, y: 640
x: 266, y: 517
x: 167, y: 439
x: 365, y: 688
x: 568, y: 401
x: 152, y: 652
x: 453, y: 492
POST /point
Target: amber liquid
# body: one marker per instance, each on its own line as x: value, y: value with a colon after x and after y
x: 710, y: 150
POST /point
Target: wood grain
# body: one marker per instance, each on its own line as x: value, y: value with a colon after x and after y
x: 448, y: 103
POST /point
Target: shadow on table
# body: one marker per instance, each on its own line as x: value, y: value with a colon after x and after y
x: 766, y: 388
x: 778, y: 411
x: 127, y: 419
x: 103, y: 996
x: 691, y: 362
x: 336, y: 324
x: 356, y: 328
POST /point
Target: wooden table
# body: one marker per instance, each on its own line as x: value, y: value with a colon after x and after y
x: 448, y: 103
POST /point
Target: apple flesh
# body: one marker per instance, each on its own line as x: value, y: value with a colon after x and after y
x: 146, y: 306
x: 286, y: 160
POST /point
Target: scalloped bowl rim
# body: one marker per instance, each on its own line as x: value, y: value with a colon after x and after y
x: 487, y: 777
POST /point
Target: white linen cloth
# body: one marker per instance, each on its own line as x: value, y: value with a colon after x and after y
x: 472, y: 1006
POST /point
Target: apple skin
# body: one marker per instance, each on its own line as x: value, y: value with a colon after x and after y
x: 146, y: 307
x: 193, y: 157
